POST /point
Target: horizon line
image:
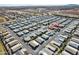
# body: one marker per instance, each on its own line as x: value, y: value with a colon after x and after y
x: 34, y: 5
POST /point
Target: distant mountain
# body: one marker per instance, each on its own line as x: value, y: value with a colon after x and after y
x: 71, y: 4
x: 12, y: 6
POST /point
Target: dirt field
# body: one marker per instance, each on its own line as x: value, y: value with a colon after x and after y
x: 2, y: 19
x: 2, y: 49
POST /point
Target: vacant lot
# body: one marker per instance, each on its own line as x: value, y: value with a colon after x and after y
x: 2, y: 49
x: 2, y: 19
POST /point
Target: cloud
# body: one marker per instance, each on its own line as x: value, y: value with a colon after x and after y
x: 38, y: 2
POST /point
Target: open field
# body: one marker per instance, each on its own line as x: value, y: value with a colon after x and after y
x: 2, y: 49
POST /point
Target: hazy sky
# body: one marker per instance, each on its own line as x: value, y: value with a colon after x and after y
x: 37, y: 2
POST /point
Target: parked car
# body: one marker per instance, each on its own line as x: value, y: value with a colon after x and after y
x: 27, y: 38
x: 44, y: 36
x: 71, y: 50
x: 16, y: 47
x: 65, y: 53
x: 33, y: 44
x: 55, y: 25
x: 50, y: 47
x: 39, y: 40
x: 12, y: 43
x: 74, y: 44
x: 46, y: 51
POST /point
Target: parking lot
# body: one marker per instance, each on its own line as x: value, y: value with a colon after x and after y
x: 37, y: 35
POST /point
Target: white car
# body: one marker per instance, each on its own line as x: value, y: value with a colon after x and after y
x: 46, y: 51
x: 16, y: 47
x: 33, y: 44
x: 71, y: 50
x: 27, y: 39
